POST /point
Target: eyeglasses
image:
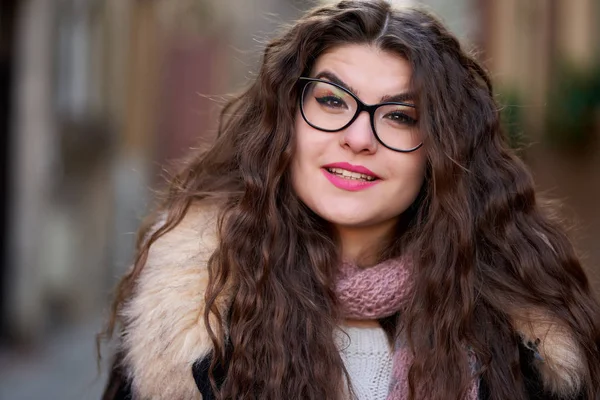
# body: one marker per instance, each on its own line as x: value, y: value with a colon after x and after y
x: 329, y: 107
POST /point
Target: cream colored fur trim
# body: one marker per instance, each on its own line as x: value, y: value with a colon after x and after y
x: 561, y: 367
x: 164, y: 329
x: 165, y: 332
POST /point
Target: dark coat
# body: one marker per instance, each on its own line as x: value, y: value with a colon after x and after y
x: 165, y: 347
x: 118, y: 388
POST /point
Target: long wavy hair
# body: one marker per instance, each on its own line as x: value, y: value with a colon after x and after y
x: 487, y: 252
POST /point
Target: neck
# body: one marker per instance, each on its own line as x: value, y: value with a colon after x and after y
x: 362, y: 245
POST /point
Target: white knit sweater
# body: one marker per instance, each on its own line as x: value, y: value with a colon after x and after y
x: 368, y: 358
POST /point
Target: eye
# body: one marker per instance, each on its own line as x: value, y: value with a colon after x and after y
x: 331, y: 101
x: 400, y: 118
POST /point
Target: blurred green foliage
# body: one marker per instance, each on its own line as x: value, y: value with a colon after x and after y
x: 511, y: 117
x: 573, y: 105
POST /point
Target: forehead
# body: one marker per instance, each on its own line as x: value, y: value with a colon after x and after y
x: 372, y: 72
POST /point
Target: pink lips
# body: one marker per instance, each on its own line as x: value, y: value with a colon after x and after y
x: 350, y: 184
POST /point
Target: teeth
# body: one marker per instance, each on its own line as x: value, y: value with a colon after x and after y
x: 350, y: 175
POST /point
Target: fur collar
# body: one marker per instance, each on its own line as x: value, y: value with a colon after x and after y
x: 165, y: 334
x: 164, y: 330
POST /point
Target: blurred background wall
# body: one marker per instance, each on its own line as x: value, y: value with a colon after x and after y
x: 97, y: 96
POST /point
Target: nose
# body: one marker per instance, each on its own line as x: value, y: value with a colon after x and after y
x: 359, y: 136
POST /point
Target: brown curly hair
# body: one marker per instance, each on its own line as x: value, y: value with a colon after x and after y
x: 487, y: 251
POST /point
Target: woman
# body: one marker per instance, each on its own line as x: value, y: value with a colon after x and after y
x: 358, y: 229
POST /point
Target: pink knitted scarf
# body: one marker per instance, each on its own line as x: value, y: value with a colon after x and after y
x: 378, y: 292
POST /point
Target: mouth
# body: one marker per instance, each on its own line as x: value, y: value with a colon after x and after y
x: 351, y: 175
x: 348, y: 171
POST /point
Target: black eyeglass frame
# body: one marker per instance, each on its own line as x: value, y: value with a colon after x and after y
x: 370, y: 108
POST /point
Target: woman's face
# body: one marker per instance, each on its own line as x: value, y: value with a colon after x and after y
x: 392, y: 180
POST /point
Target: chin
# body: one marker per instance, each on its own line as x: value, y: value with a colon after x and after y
x: 346, y: 217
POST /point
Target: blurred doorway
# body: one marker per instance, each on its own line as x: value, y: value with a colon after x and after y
x: 8, y: 12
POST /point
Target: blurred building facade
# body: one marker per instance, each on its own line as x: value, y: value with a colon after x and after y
x: 102, y: 93
x: 544, y: 57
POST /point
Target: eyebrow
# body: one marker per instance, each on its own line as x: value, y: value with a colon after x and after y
x: 397, y: 98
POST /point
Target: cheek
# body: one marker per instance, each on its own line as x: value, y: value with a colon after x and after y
x: 409, y: 175
x: 418, y: 167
